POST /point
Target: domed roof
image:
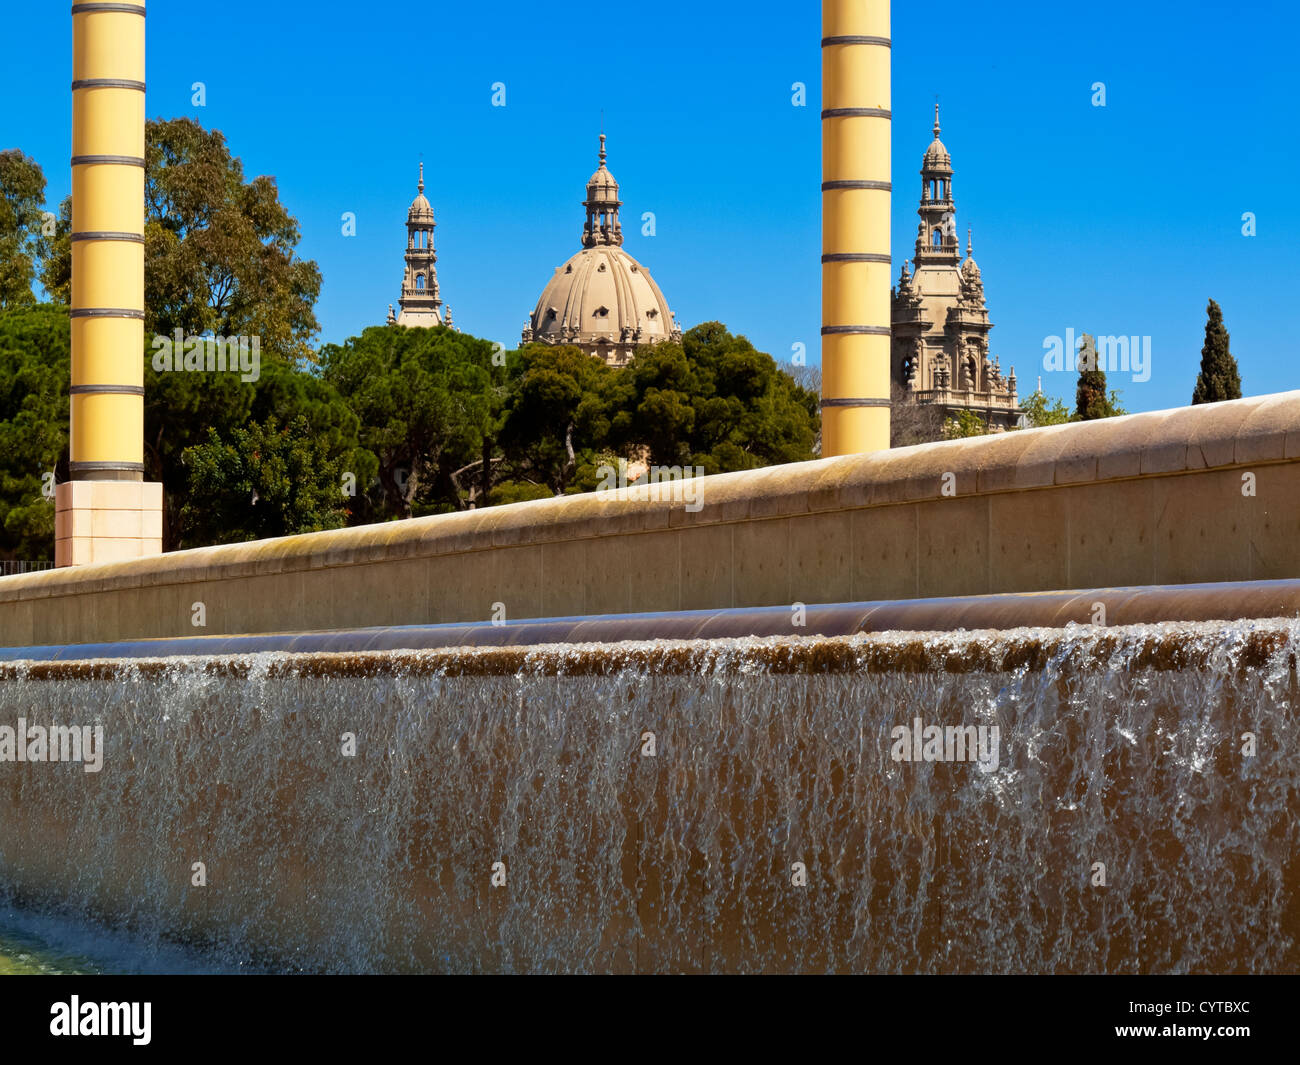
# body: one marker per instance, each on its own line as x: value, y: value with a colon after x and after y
x: 937, y: 153
x: 421, y: 209
x: 604, y: 301
x: 601, y: 186
x: 936, y: 156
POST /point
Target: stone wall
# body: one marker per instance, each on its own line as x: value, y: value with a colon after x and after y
x: 1196, y: 494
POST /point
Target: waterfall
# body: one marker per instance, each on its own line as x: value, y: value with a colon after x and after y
x: 697, y: 805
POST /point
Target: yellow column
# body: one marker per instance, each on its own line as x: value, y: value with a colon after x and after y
x: 98, y: 521
x: 856, y: 195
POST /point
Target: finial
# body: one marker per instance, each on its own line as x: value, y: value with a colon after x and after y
x: 936, y: 118
x: 602, y: 147
x: 969, y: 244
x: 447, y: 323
x: 421, y: 185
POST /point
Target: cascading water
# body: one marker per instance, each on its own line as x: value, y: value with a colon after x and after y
x: 683, y: 805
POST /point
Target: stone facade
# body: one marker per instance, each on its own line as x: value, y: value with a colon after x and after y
x: 940, y: 320
x: 602, y: 300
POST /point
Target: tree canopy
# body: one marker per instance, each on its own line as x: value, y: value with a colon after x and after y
x: 34, y: 372
x: 714, y: 401
x: 426, y: 401
x: 220, y: 251
x: 22, y: 236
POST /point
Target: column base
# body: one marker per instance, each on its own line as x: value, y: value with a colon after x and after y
x: 106, y: 521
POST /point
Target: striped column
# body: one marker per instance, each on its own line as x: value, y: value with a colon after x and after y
x: 856, y: 194
x: 107, y: 414
x: 107, y: 512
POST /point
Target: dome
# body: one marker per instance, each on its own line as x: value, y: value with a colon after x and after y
x: 936, y: 156
x: 602, y: 300
x: 421, y: 210
x: 605, y: 302
x: 602, y: 188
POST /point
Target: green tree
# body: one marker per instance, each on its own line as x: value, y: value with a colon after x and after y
x: 220, y: 252
x: 56, y: 260
x: 1219, y: 378
x: 963, y: 424
x: 22, y: 241
x: 264, y: 480
x: 714, y: 401
x: 220, y: 261
x: 1092, y: 400
x: 34, y: 370
x: 558, y: 417
x: 184, y: 411
x: 427, y: 401
x: 1041, y: 410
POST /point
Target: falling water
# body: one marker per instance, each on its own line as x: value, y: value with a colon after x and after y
x: 681, y: 805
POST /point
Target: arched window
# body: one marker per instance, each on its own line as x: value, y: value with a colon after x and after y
x: 938, y: 238
x: 419, y: 282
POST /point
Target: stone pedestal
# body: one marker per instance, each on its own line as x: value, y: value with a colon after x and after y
x: 106, y: 521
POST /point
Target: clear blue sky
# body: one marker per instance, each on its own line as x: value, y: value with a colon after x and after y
x: 1120, y: 220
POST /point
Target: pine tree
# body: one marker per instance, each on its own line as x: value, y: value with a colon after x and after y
x: 1219, y: 378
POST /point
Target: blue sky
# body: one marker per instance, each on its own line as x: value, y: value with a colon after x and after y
x: 1121, y: 220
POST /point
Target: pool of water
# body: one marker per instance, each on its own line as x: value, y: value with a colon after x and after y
x: 34, y: 944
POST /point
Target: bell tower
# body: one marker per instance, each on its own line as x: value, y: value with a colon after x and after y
x: 936, y: 236
x: 940, y: 353
x: 420, y: 301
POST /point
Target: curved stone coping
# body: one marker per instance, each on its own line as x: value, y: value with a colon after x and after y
x: 1256, y: 431
x: 1124, y: 606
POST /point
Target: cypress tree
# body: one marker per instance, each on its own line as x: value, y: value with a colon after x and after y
x: 1090, y: 396
x: 1219, y: 378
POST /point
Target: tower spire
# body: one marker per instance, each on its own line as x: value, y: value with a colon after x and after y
x: 421, y: 300
x: 969, y: 244
x: 602, y: 204
x: 937, y: 239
